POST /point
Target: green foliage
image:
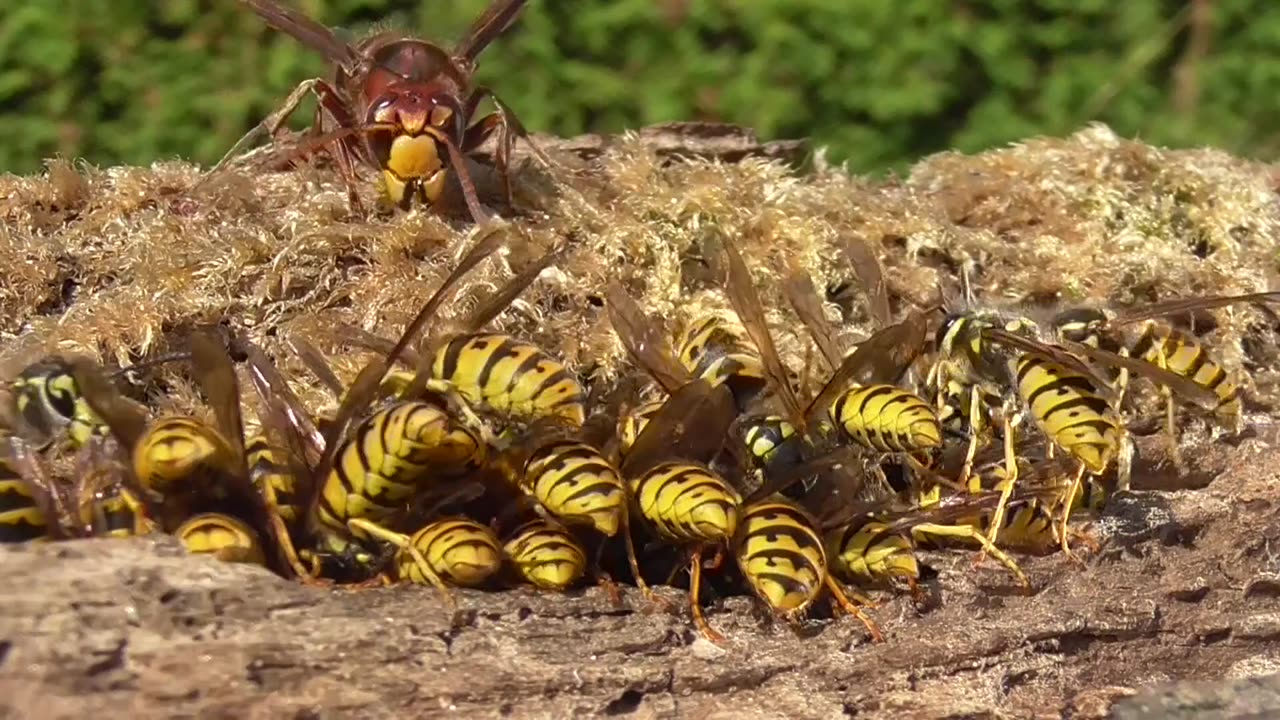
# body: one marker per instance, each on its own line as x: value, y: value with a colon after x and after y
x: 882, y: 83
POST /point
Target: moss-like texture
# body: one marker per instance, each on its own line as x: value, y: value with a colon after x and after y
x: 120, y: 261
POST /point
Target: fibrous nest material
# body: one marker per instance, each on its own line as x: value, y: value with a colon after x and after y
x: 121, y: 261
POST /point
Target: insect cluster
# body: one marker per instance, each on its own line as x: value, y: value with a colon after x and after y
x: 463, y: 457
x: 460, y: 456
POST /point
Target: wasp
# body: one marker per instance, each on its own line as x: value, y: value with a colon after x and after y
x: 449, y: 552
x: 504, y: 376
x: 782, y: 555
x: 546, y: 554
x: 46, y: 402
x: 29, y: 508
x: 349, y: 478
x: 105, y: 506
x: 223, y: 536
x: 1139, y: 333
x: 401, y: 105
x: 877, y: 416
x: 180, y: 467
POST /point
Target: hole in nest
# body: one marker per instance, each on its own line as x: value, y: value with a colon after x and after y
x: 1201, y: 247
x: 625, y: 704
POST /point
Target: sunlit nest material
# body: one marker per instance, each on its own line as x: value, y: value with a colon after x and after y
x: 123, y: 261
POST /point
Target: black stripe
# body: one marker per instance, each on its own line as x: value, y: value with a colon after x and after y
x: 15, y: 531
x: 452, y: 352
x: 1145, y: 342
x: 15, y: 496
x: 503, y: 350
x: 1062, y: 381
x: 1097, y: 407
x: 871, y: 393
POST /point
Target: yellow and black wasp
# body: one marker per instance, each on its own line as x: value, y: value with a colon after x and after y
x: 985, y: 354
x: 180, y: 467
x: 31, y: 506
x: 781, y: 553
x: 46, y: 402
x: 545, y: 554
x: 410, y: 446
x: 1140, y: 333
x: 675, y: 490
x: 877, y: 416
x: 444, y: 553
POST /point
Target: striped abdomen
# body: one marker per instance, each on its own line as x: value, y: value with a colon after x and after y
x: 180, y: 450
x: 21, y: 518
x: 382, y: 462
x: 781, y: 554
x: 686, y: 502
x: 546, y: 554
x: 887, y: 418
x: 717, y: 349
x: 869, y: 549
x: 1069, y: 409
x: 462, y: 552
x: 271, y: 475
x: 574, y: 482
x: 1181, y: 353
x: 222, y: 535
x: 510, y: 376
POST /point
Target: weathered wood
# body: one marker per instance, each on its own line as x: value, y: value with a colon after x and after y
x: 1179, y: 593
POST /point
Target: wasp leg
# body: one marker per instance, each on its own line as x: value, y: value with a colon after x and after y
x: 1124, y: 463
x: 843, y: 601
x: 284, y: 543
x: 1068, y: 500
x: 918, y: 596
x: 142, y: 523
x: 1171, y: 429
x: 971, y: 533
x: 976, y: 428
x: 695, y: 606
x: 360, y: 525
x: 507, y: 127
x: 604, y: 580
x: 654, y: 600
x: 1007, y: 485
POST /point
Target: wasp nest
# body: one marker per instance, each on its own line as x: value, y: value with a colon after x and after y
x: 122, y: 261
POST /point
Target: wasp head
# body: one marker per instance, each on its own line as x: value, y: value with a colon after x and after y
x: 413, y: 126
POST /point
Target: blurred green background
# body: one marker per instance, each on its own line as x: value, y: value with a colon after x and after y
x: 882, y: 82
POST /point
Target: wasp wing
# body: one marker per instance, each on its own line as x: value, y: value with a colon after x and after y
x: 365, y: 387
x: 317, y: 364
x: 1058, y: 354
x: 642, y: 339
x: 314, y: 35
x: 804, y: 299
x: 1180, y: 385
x: 359, y: 337
x: 126, y: 419
x: 216, y: 375
x: 867, y: 270
x: 882, y: 358
x: 495, y: 20
x: 746, y: 303
x: 1177, y: 305
x: 692, y: 425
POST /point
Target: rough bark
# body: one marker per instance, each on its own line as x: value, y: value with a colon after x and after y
x: 1184, y: 589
